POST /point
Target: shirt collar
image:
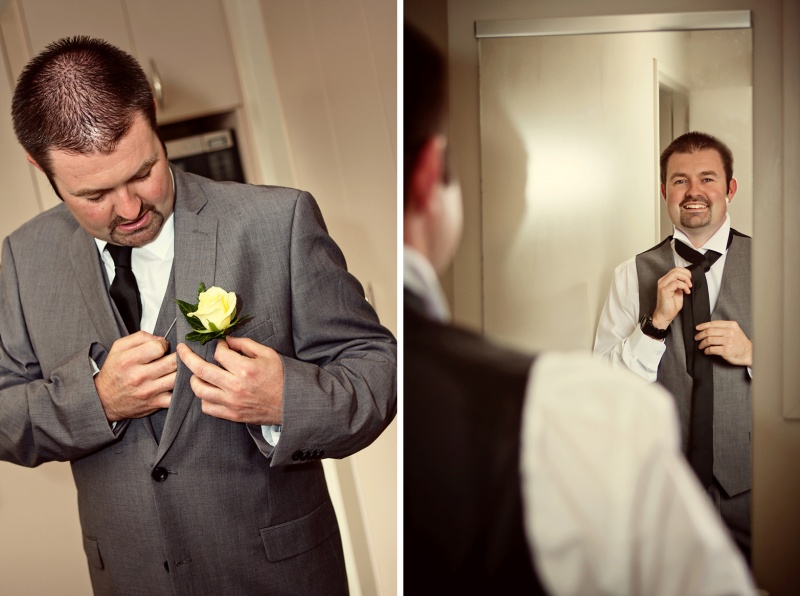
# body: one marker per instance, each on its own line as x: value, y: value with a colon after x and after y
x: 718, y: 242
x: 420, y: 278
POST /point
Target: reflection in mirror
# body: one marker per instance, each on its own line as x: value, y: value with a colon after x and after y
x: 571, y: 130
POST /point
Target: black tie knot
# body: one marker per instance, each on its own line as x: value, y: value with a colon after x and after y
x: 705, y: 261
x: 120, y: 254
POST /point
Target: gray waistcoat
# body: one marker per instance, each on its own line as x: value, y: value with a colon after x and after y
x: 732, y: 411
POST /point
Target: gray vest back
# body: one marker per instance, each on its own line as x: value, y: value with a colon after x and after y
x: 732, y: 409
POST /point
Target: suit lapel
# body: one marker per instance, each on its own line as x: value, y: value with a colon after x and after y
x: 165, y: 316
x: 86, y: 267
x: 195, y: 261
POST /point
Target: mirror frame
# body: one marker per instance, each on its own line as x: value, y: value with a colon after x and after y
x: 629, y: 23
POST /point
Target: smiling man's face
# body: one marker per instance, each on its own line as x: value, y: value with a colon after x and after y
x: 696, y: 193
x: 123, y: 197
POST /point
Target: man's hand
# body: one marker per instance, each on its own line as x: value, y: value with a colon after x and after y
x: 669, y: 297
x: 726, y: 339
x: 137, y: 378
x: 247, y: 386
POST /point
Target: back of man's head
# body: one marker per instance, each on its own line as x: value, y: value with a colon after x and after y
x: 424, y: 97
x: 79, y: 95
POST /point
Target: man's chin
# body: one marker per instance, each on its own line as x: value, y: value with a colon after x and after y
x: 695, y: 222
x: 142, y: 237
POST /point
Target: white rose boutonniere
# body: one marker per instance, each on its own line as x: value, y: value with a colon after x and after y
x: 214, y: 316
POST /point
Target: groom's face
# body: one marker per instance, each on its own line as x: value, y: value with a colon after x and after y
x: 123, y: 197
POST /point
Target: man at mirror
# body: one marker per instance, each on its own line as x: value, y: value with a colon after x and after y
x: 679, y: 314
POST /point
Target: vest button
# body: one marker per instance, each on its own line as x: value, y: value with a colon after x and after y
x: 160, y: 474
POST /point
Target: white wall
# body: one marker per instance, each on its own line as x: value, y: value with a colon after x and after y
x: 721, y: 103
x: 18, y: 200
x: 333, y: 70
x: 569, y: 173
x: 39, y: 527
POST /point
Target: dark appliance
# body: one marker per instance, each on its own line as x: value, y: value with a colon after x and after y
x: 212, y: 154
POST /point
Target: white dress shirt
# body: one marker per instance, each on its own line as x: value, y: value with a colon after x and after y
x: 619, y: 338
x: 151, y: 265
x: 610, y: 505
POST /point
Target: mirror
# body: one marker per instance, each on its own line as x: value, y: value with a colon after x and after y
x: 571, y: 128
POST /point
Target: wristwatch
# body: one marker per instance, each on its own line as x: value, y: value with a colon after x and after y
x: 646, y: 323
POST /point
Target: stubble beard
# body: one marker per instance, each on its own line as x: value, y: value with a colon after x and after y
x: 693, y: 220
x: 139, y: 237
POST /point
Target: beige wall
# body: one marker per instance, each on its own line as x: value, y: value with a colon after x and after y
x: 776, y: 141
x: 39, y: 527
x: 334, y: 75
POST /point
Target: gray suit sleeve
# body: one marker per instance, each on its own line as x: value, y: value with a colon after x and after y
x: 340, y: 389
x: 59, y: 418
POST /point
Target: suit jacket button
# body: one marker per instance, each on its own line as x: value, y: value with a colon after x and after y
x: 320, y: 453
x: 160, y: 474
x: 297, y: 455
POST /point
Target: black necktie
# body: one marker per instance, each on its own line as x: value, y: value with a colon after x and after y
x: 696, y: 310
x: 124, y: 289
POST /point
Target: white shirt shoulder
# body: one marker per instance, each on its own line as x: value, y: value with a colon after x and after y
x: 611, y: 506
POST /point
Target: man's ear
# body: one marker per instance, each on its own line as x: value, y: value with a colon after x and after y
x: 427, y: 174
x: 732, y: 188
x: 663, y: 192
x: 33, y: 162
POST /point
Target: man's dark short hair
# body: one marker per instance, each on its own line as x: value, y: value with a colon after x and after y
x: 424, y: 97
x: 79, y: 95
x: 692, y: 142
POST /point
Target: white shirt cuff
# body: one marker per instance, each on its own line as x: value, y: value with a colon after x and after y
x: 272, y: 433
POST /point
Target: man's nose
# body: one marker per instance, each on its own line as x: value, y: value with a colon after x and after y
x: 128, y: 205
x: 692, y: 189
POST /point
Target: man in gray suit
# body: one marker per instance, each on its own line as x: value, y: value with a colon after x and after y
x: 679, y: 314
x: 197, y: 472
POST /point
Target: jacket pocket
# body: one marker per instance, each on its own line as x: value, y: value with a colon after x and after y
x: 260, y: 332
x: 300, y: 535
x: 92, y: 549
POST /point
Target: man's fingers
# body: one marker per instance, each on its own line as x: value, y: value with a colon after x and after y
x: 165, y: 383
x: 166, y: 364
x: 206, y: 391
x: 143, y: 350
x: 235, y: 353
x: 247, y: 346
x: 719, y: 325
x: 136, y: 339
x: 204, y: 370
x: 162, y: 400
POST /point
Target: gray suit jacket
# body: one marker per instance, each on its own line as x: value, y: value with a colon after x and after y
x: 211, y: 508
